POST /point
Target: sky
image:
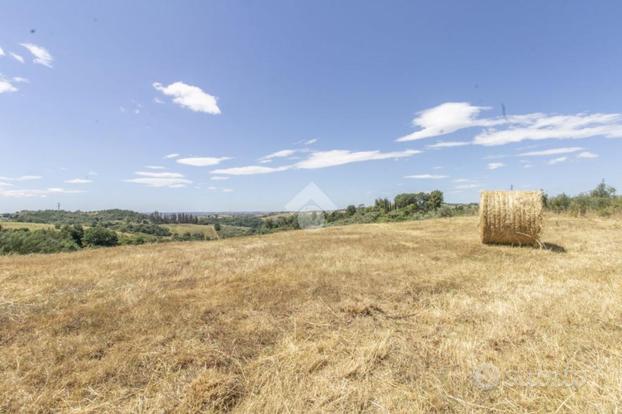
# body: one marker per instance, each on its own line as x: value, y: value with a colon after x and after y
x: 240, y: 105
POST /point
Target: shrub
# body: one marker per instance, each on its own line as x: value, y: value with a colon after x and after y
x: 23, y: 241
x: 100, y: 236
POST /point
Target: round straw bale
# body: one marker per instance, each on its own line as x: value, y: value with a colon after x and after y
x: 511, y: 217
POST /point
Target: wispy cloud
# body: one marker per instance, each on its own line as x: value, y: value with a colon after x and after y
x: 19, y: 79
x: 558, y: 160
x: 189, y: 96
x: 202, y: 161
x: 219, y: 178
x: 587, y: 155
x: 17, y: 57
x: 426, y: 177
x: 173, y: 155
x: 159, y: 174
x: 553, y: 151
x: 6, y: 85
x: 28, y: 193
x: 321, y: 159
x: 495, y: 165
x: 467, y: 186
x: 448, y: 144
x: 279, y: 154
x: 155, y: 167
x: 249, y: 170
x: 78, y: 181
x: 22, y: 178
x: 227, y: 190
x: 160, y: 179
x: 1, y: 52
x: 40, y: 54
x: 334, y: 158
x: 454, y: 116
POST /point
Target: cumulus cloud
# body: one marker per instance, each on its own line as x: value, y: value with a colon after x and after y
x: 17, y: 57
x: 78, y: 181
x: 587, y: 155
x: 202, y: 161
x: 40, y: 54
x: 552, y: 151
x: 454, y: 116
x: 189, y: 96
x: 495, y: 165
x: 558, y: 160
x: 426, y: 177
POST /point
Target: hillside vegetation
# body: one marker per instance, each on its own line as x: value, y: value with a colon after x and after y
x: 403, y: 317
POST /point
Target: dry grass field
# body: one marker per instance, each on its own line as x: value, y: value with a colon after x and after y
x: 207, y: 230
x: 408, y: 317
x: 29, y: 226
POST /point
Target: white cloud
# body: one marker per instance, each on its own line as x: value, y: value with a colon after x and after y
x: 333, y: 158
x: 249, y: 170
x: 558, y: 160
x: 553, y: 151
x: 449, y: 144
x: 202, y: 161
x: 227, y: 190
x: 587, y: 155
x: 158, y: 100
x: 22, y: 178
x: 40, y: 54
x: 92, y: 173
x: 191, y: 97
x: 219, y: 178
x: 169, y: 156
x: 426, y: 177
x: 279, y: 154
x: 159, y: 174
x: 160, y: 182
x: 454, y: 116
x: 6, y: 86
x: 495, y: 165
x: 322, y: 159
x: 540, y: 127
x: 467, y: 186
x: 19, y: 79
x: 212, y: 188
x: 27, y: 193
x: 155, y: 167
x: 463, y: 180
x: 1, y: 52
x: 78, y: 181
x: 445, y: 119
x: 17, y: 57
x: 310, y: 142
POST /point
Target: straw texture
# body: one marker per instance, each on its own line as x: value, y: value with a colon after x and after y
x: 511, y: 217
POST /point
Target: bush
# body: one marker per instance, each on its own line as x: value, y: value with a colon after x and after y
x: 23, y: 241
x: 100, y: 236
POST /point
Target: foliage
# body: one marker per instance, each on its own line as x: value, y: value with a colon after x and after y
x: 602, y: 200
x: 24, y: 241
x: 100, y: 236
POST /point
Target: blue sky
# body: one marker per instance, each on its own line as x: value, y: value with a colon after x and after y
x: 258, y: 99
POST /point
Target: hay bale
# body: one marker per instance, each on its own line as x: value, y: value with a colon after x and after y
x: 511, y: 217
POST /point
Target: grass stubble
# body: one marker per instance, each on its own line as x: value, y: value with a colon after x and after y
x: 407, y: 317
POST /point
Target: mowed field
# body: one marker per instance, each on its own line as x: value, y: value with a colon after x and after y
x: 406, y: 317
x: 205, y: 229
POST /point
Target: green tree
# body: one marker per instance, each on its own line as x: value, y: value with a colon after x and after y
x: 351, y: 210
x: 603, y: 190
x: 435, y: 200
